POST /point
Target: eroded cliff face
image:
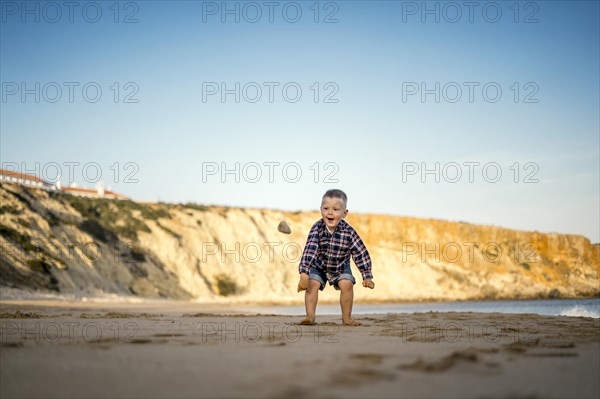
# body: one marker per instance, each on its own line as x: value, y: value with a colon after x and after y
x: 57, y: 242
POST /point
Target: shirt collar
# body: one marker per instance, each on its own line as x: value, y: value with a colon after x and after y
x: 342, y: 225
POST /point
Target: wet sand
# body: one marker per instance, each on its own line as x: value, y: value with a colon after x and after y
x: 175, y: 349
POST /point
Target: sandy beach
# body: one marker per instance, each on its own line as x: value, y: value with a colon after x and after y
x: 180, y: 349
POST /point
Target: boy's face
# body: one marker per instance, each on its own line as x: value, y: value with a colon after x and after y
x: 333, y: 211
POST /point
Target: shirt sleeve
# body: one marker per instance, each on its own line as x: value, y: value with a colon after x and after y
x: 311, y: 250
x: 361, y: 257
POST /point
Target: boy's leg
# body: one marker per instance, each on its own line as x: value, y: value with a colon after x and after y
x: 311, y: 297
x: 346, y: 300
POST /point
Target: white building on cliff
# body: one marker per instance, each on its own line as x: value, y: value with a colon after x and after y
x: 8, y: 176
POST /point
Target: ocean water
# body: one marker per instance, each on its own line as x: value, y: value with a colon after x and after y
x: 550, y: 307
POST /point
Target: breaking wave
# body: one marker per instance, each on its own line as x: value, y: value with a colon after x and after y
x: 582, y: 311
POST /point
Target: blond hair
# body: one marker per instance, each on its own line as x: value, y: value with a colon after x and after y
x: 335, y: 193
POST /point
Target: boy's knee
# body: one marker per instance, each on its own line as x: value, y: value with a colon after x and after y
x: 313, y: 286
x: 345, y: 285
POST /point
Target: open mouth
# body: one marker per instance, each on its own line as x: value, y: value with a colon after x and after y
x: 330, y: 220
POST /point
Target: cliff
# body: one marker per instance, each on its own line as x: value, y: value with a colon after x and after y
x: 56, y: 242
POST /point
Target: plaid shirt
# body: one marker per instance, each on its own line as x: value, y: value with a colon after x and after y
x: 331, y: 252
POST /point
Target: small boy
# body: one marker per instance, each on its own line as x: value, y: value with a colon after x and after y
x: 326, y: 257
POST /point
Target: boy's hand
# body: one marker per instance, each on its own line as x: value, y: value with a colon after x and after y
x: 303, y: 283
x: 368, y: 283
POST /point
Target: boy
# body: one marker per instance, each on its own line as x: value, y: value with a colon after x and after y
x: 326, y: 257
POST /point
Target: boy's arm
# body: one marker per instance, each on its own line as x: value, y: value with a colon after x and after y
x: 310, y: 250
x: 308, y: 257
x: 361, y: 257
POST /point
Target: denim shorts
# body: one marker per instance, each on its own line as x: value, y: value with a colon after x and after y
x: 321, y: 276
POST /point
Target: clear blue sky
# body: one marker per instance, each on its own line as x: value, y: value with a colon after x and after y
x: 371, y: 61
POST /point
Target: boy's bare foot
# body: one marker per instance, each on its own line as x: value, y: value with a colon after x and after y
x: 307, y: 321
x: 351, y: 322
